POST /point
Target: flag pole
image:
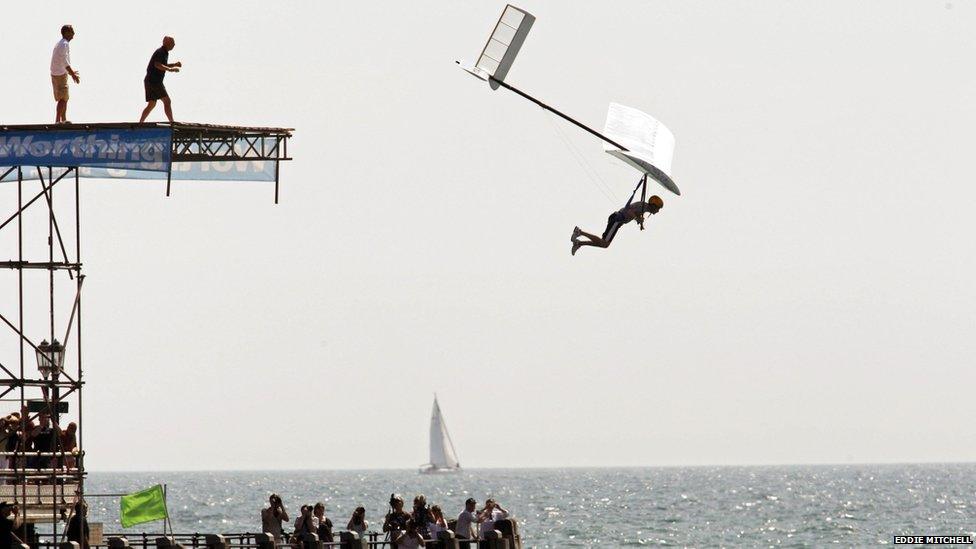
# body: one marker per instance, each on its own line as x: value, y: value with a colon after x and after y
x: 167, y: 521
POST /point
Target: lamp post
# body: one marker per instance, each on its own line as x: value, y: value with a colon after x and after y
x: 49, y: 357
x: 49, y: 361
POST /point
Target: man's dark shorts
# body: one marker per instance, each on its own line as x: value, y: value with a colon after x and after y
x: 155, y: 91
x: 614, y: 222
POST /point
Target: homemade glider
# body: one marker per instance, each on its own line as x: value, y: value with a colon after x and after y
x: 634, y: 137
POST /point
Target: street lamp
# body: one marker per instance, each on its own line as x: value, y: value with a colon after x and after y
x: 49, y: 357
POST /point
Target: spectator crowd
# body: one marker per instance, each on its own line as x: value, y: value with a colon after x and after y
x: 407, y: 529
x: 19, y: 433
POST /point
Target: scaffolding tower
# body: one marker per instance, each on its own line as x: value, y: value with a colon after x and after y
x: 42, y: 460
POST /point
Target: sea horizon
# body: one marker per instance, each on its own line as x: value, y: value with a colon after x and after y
x: 534, y: 468
x: 850, y: 504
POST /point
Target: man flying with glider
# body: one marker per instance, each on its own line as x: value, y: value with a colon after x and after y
x: 630, y: 212
x: 634, y: 137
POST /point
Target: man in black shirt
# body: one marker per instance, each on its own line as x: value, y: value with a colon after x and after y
x: 45, y: 439
x: 158, y: 66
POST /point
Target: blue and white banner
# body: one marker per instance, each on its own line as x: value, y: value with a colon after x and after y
x: 138, y: 149
x: 236, y: 170
x: 120, y: 154
x: 239, y: 170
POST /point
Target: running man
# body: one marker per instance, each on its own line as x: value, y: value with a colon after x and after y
x: 60, y: 70
x: 158, y: 67
x: 630, y: 212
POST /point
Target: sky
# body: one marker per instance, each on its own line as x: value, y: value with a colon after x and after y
x: 807, y: 299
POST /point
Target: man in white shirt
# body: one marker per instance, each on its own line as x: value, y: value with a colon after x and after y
x: 466, y: 527
x: 60, y: 69
x: 491, y: 513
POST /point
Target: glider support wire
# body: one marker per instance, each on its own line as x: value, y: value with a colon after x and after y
x: 591, y: 172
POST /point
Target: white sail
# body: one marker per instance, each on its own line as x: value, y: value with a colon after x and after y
x: 442, y: 455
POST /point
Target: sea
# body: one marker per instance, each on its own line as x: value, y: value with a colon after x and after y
x: 760, y: 506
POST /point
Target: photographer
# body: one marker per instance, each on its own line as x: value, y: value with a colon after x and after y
x: 273, y: 516
x: 396, y: 519
x: 306, y: 523
x: 421, y: 515
x: 323, y: 523
x: 492, y: 512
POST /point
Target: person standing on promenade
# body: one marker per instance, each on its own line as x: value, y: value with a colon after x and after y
x: 78, y: 530
x: 358, y: 522
x: 324, y: 524
x: 411, y: 539
x: 8, y: 539
x: 466, y: 527
x: 421, y: 515
x: 491, y: 513
x: 273, y: 516
x: 437, y: 524
x: 306, y: 523
x: 396, y: 519
x: 158, y: 66
x: 60, y: 70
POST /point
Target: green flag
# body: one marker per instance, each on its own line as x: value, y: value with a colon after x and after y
x: 144, y: 506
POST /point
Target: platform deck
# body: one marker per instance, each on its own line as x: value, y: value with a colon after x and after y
x: 178, y: 128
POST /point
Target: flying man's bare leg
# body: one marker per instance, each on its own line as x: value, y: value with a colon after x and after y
x: 592, y: 240
x: 592, y: 237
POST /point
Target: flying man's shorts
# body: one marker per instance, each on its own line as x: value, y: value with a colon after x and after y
x: 614, y: 222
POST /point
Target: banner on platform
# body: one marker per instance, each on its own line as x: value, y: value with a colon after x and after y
x: 216, y: 170
x: 136, y: 149
x: 232, y: 170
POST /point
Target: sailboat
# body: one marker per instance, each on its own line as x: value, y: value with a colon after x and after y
x: 443, y: 457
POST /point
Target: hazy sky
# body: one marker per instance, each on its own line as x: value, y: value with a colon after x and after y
x: 809, y: 298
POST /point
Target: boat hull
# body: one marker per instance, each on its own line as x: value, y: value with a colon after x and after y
x: 431, y: 470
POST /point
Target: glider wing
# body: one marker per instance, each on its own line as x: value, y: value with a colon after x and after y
x: 649, y: 143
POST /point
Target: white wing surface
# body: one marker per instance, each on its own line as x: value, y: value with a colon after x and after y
x: 503, y: 45
x: 649, y: 143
